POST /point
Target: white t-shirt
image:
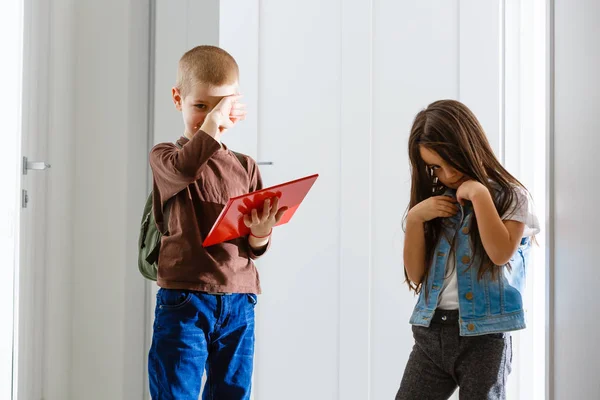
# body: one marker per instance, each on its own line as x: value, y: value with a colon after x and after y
x: 520, y: 210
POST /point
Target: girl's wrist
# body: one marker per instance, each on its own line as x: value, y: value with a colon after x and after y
x: 480, y: 192
x: 414, y: 218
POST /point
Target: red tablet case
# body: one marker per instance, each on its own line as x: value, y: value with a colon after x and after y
x: 230, y: 223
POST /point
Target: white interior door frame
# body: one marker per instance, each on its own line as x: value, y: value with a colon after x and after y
x: 30, y: 287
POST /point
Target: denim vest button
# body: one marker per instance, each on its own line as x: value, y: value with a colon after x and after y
x: 465, y: 230
x: 471, y: 327
x: 469, y: 296
x: 466, y: 259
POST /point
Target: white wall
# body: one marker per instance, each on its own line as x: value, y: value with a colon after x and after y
x: 576, y: 219
x: 299, y: 98
x: 110, y: 93
x: 408, y: 74
x: 179, y: 25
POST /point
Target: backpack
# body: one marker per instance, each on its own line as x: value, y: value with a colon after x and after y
x: 150, y: 236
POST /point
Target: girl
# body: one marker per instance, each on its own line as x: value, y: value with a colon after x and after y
x: 468, y: 234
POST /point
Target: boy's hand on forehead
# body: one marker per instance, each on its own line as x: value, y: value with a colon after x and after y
x: 228, y: 111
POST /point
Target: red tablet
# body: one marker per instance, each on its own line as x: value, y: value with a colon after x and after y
x: 230, y: 223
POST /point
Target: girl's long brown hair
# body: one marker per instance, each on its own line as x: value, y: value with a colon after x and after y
x: 450, y: 129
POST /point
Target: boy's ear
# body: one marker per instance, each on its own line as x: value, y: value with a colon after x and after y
x: 177, y: 100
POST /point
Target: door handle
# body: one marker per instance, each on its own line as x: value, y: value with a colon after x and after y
x: 34, y: 165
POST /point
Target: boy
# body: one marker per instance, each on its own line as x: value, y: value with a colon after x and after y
x: 205, y: 304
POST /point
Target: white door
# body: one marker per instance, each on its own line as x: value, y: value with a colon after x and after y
x: 10, y: 80
x: 23, y: 105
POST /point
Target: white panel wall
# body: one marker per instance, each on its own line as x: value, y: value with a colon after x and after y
x: 179, y: 26
x: 238, y: 34
x: 356, y: 169
x: 299, y: 120
x: 576, y: 219
x: 481, y: 65
x: 408, y: 74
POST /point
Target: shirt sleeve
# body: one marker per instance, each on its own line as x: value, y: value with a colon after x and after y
x: 174, y: 169
x: 521, y: 210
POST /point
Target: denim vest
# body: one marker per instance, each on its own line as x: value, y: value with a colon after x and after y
x: 486, y: 305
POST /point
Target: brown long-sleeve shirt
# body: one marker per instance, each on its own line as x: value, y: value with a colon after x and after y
x: 200, y: 178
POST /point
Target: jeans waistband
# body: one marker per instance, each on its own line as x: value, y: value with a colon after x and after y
x: 445, y: 317
x: 218, y: 293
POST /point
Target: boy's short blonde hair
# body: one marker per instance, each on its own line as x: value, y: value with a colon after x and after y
x: 210, y: 65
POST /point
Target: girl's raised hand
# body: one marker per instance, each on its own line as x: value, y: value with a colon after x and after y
x: 434, y: 207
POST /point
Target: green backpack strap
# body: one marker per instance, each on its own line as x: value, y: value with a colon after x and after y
x: 149, y: 243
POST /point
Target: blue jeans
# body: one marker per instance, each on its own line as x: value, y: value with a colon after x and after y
x: 194, y: 331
